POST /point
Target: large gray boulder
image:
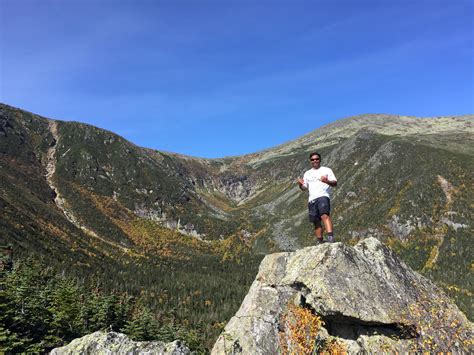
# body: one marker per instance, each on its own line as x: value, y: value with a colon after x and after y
x: 367, y: 298
x: 102, y: 343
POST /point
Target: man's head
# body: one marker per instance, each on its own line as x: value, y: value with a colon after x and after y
x: 315, y: 159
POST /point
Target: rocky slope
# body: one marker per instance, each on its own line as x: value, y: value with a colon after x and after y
x: 408, y: 181
x: 368, y: 300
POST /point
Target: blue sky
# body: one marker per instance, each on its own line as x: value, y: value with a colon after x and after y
x: 217, y: 78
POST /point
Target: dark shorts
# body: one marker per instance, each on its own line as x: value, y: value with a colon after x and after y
x: 318, y: 207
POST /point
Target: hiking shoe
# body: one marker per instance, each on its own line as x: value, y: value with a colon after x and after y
x: 331, y: 239
x: 319, y: 241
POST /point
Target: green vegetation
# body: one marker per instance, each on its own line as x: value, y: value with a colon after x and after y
x: 414, y: 191
x: 152, y: 299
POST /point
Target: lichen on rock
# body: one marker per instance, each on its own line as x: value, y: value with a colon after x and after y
x: 117, y: 343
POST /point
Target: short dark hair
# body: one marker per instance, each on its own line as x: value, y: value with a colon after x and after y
x: 315, y: 153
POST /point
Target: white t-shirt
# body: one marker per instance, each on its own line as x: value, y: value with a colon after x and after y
x: 312, y: 181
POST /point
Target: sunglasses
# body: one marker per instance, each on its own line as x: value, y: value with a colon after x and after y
x: 315, y: 159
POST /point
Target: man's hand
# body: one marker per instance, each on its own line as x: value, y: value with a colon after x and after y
x: 300, y: 182
x: 325, y: 179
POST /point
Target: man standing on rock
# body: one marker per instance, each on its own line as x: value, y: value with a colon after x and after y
x: 318, y: 181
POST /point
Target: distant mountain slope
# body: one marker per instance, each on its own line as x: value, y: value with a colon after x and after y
x: 406, y: 180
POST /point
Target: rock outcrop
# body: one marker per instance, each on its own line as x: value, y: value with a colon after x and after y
x: 367, y: 299
x: 117, y: 343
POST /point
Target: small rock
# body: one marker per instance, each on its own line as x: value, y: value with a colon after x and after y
x: 118, y: 343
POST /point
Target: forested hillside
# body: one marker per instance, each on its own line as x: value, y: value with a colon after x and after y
x: 99, y: 210
x: 150, y: 298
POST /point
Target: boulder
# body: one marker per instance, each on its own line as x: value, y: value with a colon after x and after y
x: 117, y: 343
x: 360, y: 299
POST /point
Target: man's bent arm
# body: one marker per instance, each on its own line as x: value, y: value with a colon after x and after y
x: 332, y: 183
x: 301, y: 184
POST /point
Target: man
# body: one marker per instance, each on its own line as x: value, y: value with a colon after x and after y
x: 318, y: 181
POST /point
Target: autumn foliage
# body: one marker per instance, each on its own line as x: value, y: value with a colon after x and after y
x: 299, y: 331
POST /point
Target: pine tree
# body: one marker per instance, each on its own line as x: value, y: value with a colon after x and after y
x: 65, y: 309
x: 142, y: 325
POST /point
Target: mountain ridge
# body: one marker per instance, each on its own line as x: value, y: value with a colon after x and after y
x: 410, y: 186
x: 461, y: 121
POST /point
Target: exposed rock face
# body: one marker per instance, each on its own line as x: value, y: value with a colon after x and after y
x: 369, y: 300
x: 117, y: 343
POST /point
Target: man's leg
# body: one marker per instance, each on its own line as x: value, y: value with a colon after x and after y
x: 328, y: 226
x: 324, y: 208
x: 318, y: 231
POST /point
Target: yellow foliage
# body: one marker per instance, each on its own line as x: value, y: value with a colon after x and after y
x: 432, y: 258
x: 399, y: 198
x: 152, y: 237
x: 299, y: 330
x: 333, y: 347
